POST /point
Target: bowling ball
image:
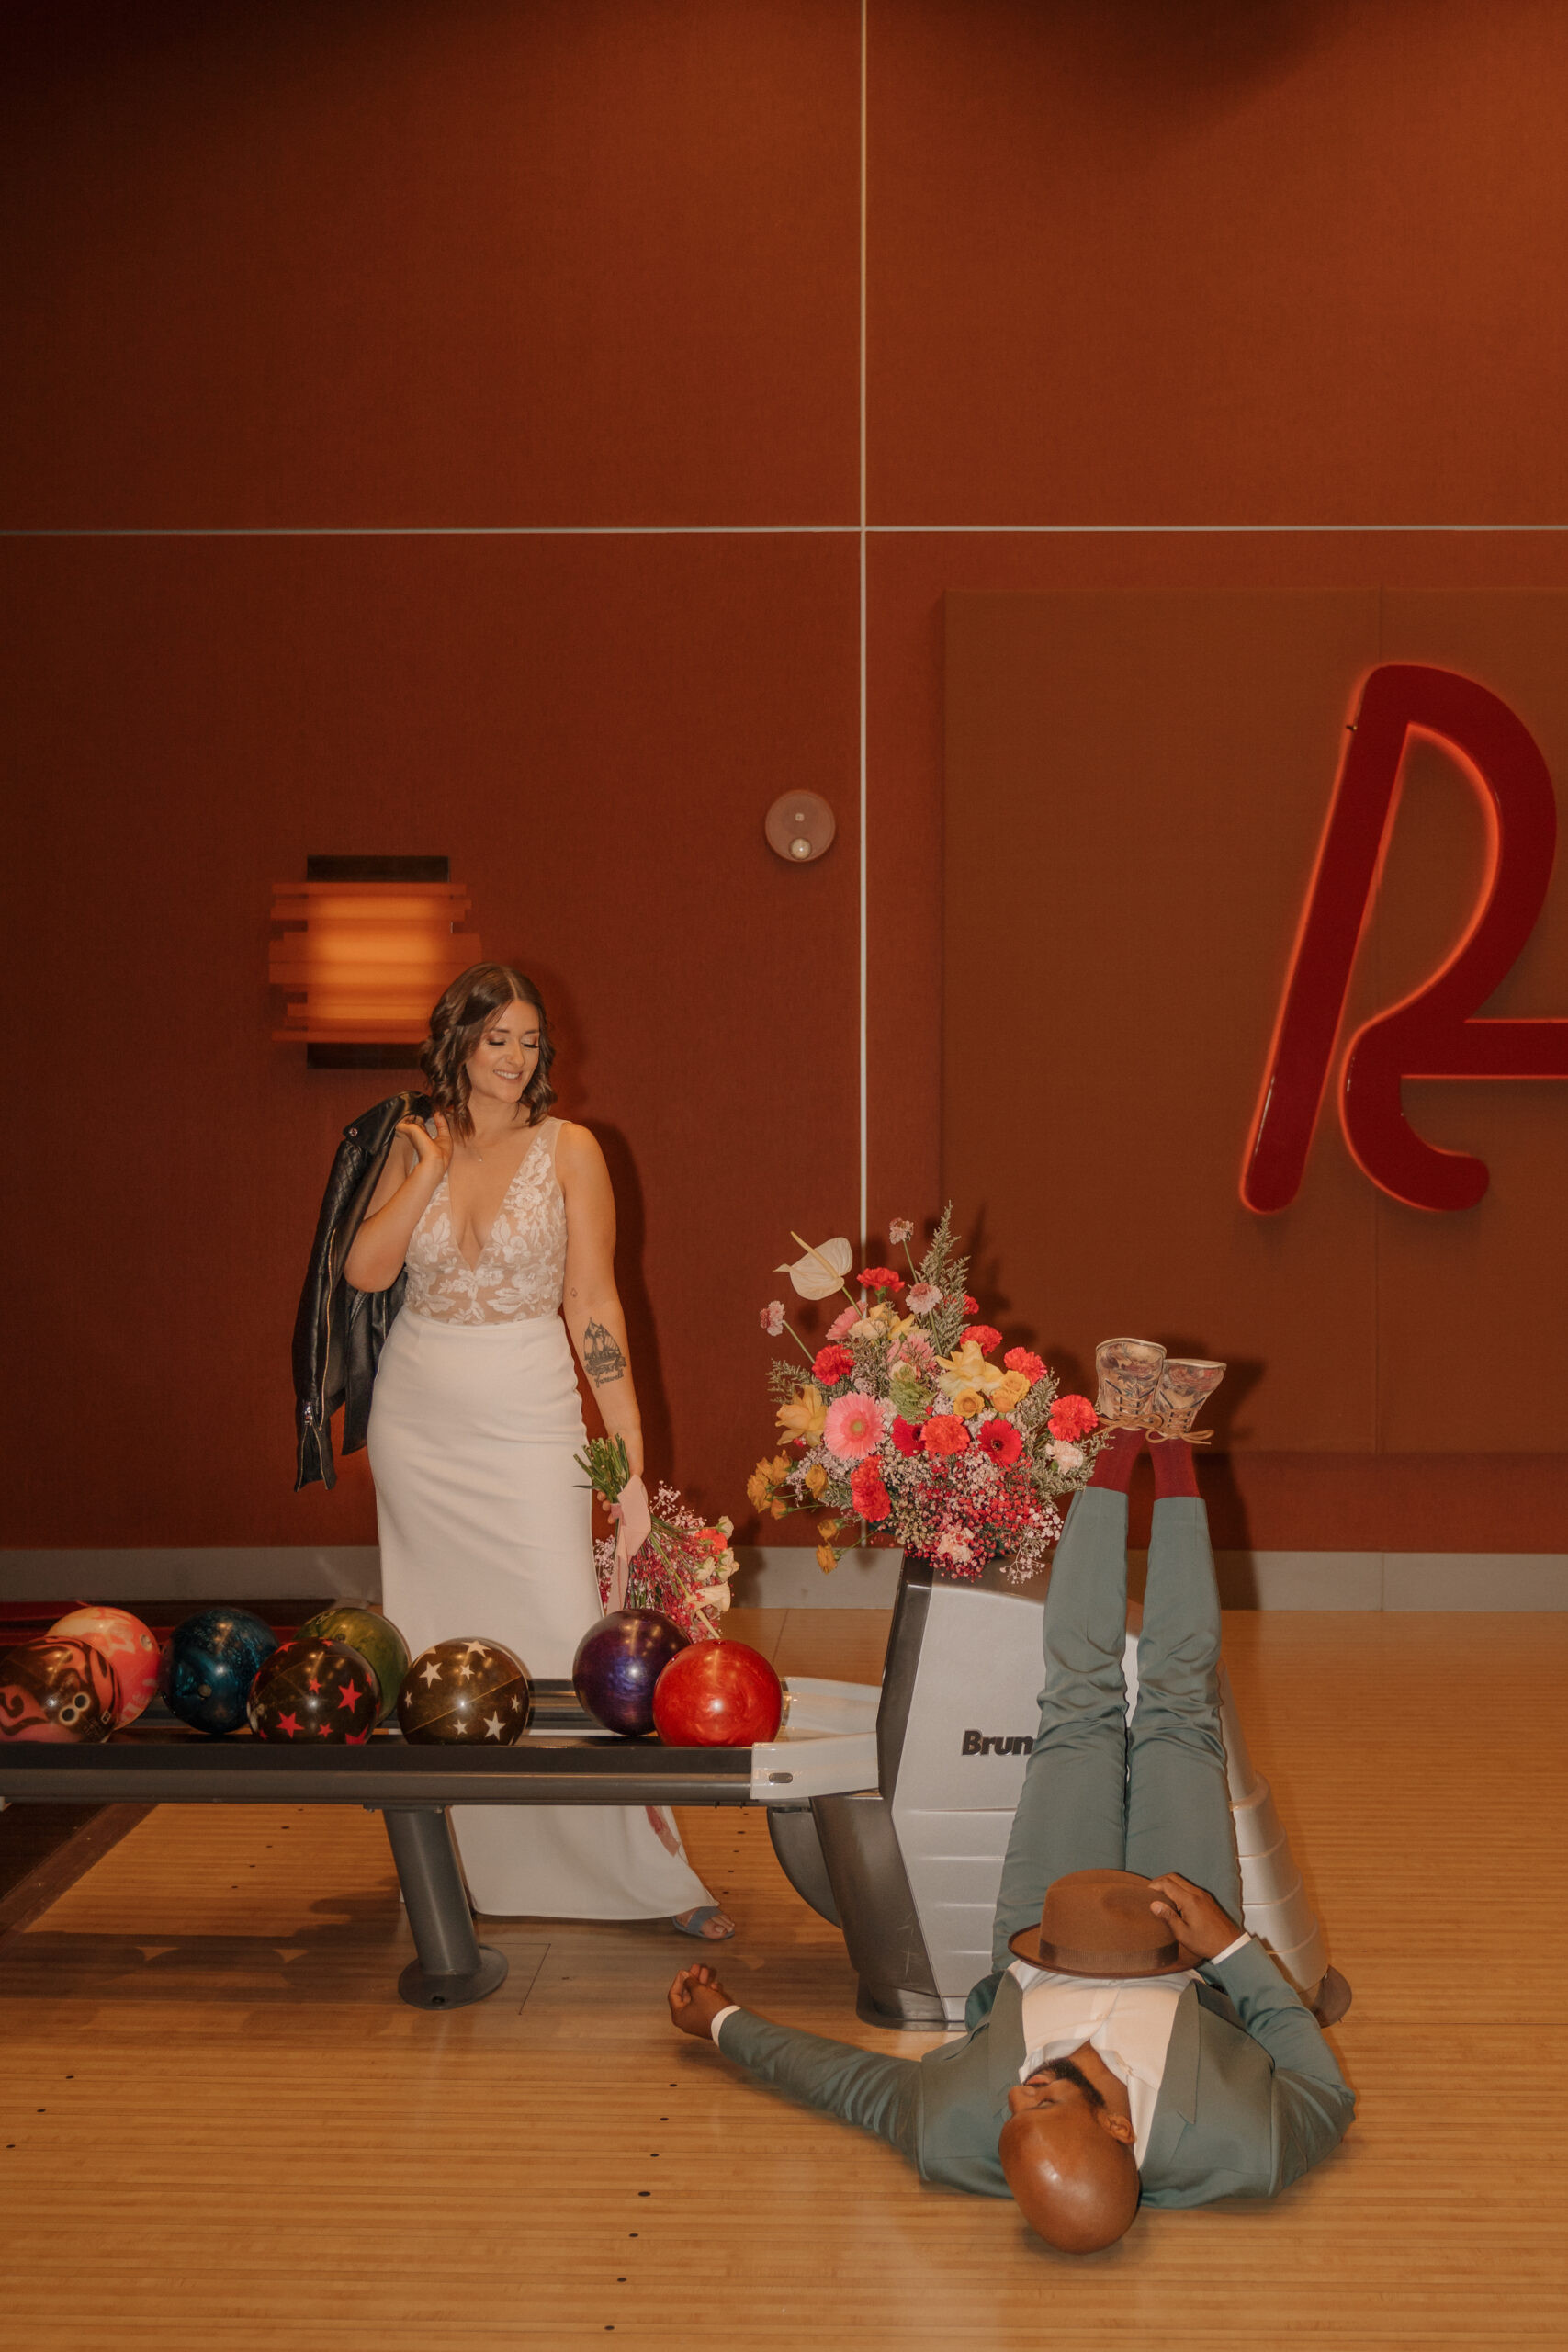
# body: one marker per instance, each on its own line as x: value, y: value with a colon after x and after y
x: 617, y: 1662
x: 465, y: 1692
x: 717, y: 1694
x: 131, y: 1648
x: 376, y: 1638
x: 312, y: 1690
x: 209, y: 1664
x: 56, y: 1688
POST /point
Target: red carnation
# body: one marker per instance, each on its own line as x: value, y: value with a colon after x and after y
x: 1001, y: 1441
x: 1072, y: 1417
x: 971, y: 1306
x: 867, y: 1493
x: 985, y: 1338
x: 944, y: 1433
x: 1025, y: 1360
x: 880, y: 1278
x: 832, y: 1364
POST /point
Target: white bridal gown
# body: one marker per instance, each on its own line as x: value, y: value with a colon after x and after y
x: 486, y: 1534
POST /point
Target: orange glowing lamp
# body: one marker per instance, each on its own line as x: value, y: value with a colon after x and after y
x: 367, y: 945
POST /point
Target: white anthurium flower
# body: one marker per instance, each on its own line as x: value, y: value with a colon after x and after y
x: 822, y: 1270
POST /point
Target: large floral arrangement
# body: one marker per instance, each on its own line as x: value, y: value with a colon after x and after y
x: 684, y: 1564
x: 906, y: 1421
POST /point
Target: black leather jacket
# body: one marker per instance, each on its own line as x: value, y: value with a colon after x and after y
x: 339, y: 1332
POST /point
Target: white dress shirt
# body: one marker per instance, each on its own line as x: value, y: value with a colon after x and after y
x: 1125, y: 2020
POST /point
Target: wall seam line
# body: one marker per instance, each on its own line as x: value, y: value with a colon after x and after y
x: 861, y: 530
x: 863, y: 1171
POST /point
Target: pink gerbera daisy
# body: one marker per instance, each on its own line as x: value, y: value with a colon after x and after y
x: 855, y: 1426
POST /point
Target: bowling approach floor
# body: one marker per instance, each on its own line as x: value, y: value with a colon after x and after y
x: 221, y: 2124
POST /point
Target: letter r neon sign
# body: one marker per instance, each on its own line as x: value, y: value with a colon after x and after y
x: 1433, y: 1033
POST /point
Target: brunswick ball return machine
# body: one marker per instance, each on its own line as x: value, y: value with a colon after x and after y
x: 909, y: 1868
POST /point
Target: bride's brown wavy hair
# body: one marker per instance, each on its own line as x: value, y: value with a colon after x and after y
x: 459, y: 1019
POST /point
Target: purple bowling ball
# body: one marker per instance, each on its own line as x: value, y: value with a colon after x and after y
x: 617, y: 1662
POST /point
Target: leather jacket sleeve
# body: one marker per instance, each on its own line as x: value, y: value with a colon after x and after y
x: 339, y: 1332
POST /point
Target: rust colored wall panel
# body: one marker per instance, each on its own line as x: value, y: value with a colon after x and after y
x: 574, y: 263
x: 911, y: 577
x: 593, y: 734
x: 1134, y: 263
x: 1159, y: 769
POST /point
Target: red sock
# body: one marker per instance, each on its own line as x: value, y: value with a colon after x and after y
x: 1114, y: 1463
x: 1175, y: 1472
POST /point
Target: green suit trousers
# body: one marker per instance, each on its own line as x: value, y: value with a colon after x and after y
x: 1101, y: 1793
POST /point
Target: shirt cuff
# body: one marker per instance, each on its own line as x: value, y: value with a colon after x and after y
x: 718, y: 2021
x: 1229, y: 1952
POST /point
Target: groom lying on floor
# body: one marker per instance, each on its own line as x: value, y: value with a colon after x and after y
x: 1105, y: 2064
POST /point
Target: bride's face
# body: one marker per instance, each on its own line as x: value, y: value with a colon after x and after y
x: 506, y: 1055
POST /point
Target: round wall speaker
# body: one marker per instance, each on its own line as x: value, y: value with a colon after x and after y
x: 800, y: 827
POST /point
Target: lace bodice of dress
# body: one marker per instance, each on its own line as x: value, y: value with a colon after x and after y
x: 522, y: 1268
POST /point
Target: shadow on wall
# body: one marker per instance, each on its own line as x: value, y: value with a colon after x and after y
x: 642, y: 1332
x: 1162, y: 62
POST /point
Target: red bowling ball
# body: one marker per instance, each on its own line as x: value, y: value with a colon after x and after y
x: 717, y: 1694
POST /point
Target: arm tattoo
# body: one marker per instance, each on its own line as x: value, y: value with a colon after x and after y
x: 601, y: 1359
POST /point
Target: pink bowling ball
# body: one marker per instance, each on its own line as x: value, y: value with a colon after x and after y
x: 130, y: 1646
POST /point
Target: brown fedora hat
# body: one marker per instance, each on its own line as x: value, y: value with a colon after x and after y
x: 1099, y: 1923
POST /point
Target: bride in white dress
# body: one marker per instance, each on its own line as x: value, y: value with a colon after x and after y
x: 505, y: 1220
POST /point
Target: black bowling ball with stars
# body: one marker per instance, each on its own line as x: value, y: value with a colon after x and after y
x: 468, y: 1693
x: 312, y: 1690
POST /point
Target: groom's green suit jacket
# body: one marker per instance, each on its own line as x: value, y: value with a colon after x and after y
x: 1250, y: 2096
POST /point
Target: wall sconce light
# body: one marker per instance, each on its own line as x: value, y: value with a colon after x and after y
x: 369, y: 945
x: 800, y: 827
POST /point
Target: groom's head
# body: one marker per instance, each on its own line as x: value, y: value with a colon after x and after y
x: 1068, y: 2160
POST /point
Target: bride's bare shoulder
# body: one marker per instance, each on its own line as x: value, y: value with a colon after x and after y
x: 577, y: 1148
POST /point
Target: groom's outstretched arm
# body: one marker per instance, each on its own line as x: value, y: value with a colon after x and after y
x: 879, y: 2095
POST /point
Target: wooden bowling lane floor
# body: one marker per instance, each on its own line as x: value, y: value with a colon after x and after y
x: 219, y: 2123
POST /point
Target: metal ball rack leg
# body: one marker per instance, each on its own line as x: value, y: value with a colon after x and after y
x: 452, y: 1968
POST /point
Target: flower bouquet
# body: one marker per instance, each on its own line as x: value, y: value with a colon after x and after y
x: 682, y: 1565
x: 905, y: 1421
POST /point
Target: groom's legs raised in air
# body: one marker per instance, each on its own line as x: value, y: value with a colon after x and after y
x: 1178, y: 1814
x: 1072, y: 1813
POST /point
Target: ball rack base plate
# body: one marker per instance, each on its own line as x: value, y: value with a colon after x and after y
x: 423, y: 1991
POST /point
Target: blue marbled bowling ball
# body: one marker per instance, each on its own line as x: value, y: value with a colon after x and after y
x: 210, y: 1662
x: 617, y: 1662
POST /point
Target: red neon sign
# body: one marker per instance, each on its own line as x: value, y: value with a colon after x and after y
x: 1433, y: 1033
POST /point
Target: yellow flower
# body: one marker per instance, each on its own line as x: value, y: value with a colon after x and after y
x: 1009, y: 1391
x: 781, y: 1510
x: 826, y: 1558
x: 815, y: 1479
x: 968, y: 1401
x: 804, y: 1415
x: 967, y: 1368
x: 761, y: 1483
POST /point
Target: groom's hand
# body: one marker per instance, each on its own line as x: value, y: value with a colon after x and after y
x: 1198, y: 1920
x: 696, y: 1998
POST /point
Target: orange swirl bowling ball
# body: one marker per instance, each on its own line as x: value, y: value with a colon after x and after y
x: 717, y: 1694
x: 57, y: 1690
x: 468, y: 1693
x: 130, y: 1648
x: 310, y: 1689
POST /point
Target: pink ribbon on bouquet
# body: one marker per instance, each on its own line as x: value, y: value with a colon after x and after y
x: 633, y: 1525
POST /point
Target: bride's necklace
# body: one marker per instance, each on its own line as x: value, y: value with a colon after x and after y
x: 478, y: 1151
